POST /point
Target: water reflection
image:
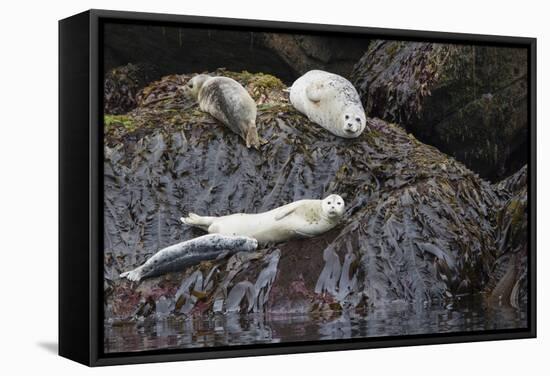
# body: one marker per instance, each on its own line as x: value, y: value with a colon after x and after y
x: 258, y: 328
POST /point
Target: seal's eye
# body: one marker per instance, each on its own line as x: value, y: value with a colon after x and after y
x: 328, y: 202
x: 338, y: 203
x: 190, y: 85
x: 358, y: 120
x: 347, y: 117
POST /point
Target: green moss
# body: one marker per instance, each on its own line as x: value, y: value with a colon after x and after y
x: 113, y: 121
x: 257, y: 80
x: 243, y: 77
x: 267, y: 81
x: 517, y: 210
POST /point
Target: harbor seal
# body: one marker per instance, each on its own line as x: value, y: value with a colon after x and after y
x: 178, y: 256
x: 228, y: 102
x: 300, y: 219
x: 330, y: 101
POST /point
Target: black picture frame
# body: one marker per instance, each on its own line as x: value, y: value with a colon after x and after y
x: 80, y: 189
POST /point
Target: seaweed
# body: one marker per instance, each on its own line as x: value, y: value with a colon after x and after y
x: 469, y: 101
x: 419, y: 227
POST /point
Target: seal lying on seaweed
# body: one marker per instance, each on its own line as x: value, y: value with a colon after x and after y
x: 178, y: 256
x: 330, y: 101
x: 227, y: 101
x: 300, y: 219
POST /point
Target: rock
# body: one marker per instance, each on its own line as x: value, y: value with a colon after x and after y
x: 419, y: 226
x: 184, y: 50
x: 306, y: 52
x: 468, y: 101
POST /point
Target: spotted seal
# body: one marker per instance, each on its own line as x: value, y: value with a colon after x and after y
x: 181, y: 255
x: 330, y: 101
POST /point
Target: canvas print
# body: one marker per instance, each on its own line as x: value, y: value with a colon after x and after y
x: 269, y: 187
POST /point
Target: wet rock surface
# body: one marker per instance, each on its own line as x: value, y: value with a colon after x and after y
x: 420, y: 228
x: 191, y: 49
x: 468, y: 101
x: 179, y: 50
x: 306, y: 52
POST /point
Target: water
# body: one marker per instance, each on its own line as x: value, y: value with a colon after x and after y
x: 263, y: 328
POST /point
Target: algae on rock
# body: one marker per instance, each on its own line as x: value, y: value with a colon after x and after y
x: 121, y: 85
x: 469, y: 101
x: 509, y: 275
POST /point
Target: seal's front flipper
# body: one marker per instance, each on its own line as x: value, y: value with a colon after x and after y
x: 222, y: 255
x: 314, y: 91
x: 284, y: 213
x: 304, y: 234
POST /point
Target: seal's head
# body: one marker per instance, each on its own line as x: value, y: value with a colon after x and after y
x: 194, y: 85
x: 353, y: 123
x: 333, y: 206
x: 242, y: 243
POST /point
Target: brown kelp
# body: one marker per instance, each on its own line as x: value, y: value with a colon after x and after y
x: 508, y: 284
x: 469, y: 101
x: 121, y: 85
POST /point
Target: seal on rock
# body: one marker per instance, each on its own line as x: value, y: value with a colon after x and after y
x: 228, y: 102
x: 300, y: 219
x: 178, y: 256
x: 330, y: 101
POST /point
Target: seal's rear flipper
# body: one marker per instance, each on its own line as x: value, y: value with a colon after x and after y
x: 197, y: 221
x: 315, y: 91
x: 252, y: 138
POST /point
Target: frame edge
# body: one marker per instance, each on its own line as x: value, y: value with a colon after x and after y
x: 74, y: 277
x: 92, y: 357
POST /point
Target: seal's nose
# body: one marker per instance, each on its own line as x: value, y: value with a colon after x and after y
x: 351, y: 127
